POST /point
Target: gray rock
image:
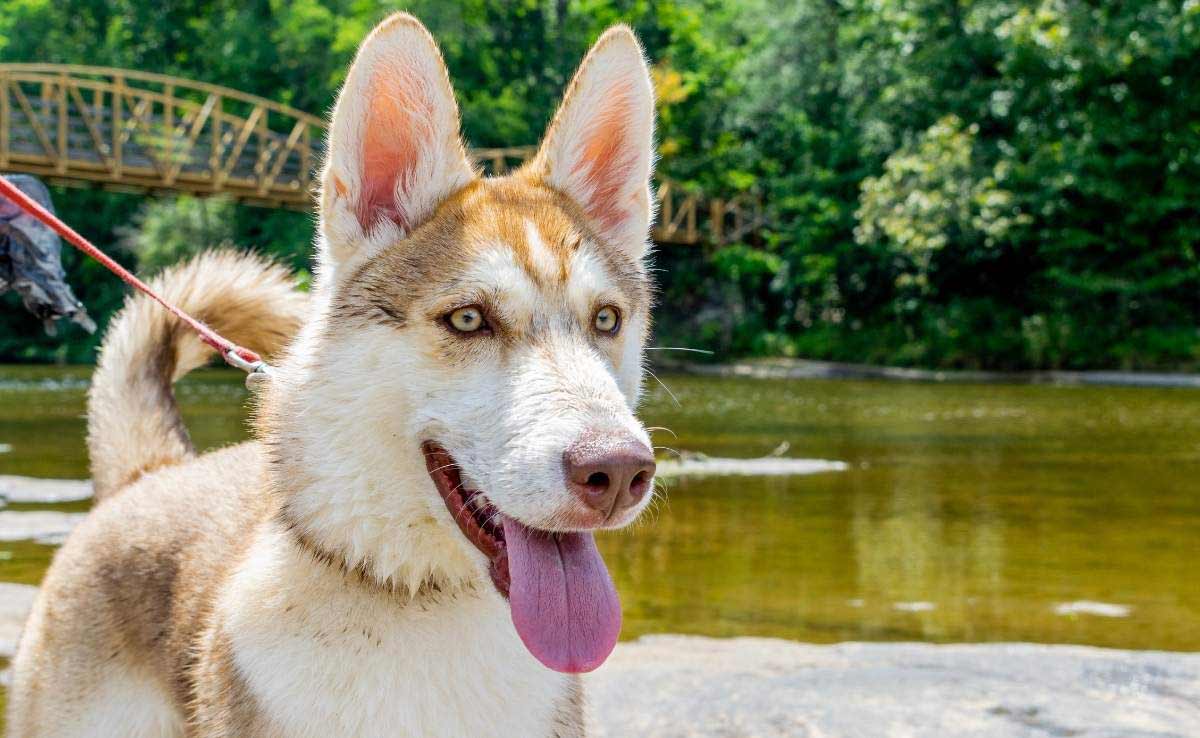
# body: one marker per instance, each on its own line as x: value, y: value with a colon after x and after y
x: 44, y: 491
x: 706, y: 466
x: 43, y: 526
x: 668, y: 686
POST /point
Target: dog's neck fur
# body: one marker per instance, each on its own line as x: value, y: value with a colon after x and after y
x: 355, y: 495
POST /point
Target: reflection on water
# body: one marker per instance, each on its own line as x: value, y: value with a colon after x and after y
x: 967, y: 513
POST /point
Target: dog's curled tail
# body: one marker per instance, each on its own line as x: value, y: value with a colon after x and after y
x: 134, y: 424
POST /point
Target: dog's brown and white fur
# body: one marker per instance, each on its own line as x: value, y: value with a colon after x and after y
x: 313, y: 583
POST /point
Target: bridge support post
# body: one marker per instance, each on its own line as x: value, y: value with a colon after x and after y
x: 64, y: 154
x: 118, y: 147
x: 717, y: 224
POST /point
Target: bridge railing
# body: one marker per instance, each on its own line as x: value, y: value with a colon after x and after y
x: 685, y: 216
x: 149, y: 131
x: 139, y: 131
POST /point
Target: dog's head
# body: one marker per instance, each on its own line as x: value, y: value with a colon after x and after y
x: 489, y: 332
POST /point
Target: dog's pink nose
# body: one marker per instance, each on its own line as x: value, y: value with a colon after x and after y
x: 609, y: 472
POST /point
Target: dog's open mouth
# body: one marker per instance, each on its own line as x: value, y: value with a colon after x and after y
x: 564, y: 605
x: 476, y: 517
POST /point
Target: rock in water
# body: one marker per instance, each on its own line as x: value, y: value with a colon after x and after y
x: 31, y: 260
x: 25, y: 490
x: 692, y: 464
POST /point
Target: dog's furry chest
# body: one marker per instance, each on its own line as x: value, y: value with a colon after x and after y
x: 320, y: 657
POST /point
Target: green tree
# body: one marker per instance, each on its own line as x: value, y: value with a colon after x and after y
x: 168, y: 231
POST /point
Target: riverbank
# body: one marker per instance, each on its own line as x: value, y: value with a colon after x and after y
x: 675, y: 686
x: 805, y: 369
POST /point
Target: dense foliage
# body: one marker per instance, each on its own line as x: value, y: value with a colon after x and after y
x: 957, y: 183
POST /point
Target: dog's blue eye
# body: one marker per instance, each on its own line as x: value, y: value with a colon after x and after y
x: 466, y: 319
x: 607, y: 320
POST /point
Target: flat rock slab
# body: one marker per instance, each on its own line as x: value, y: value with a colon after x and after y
x: 677, y: 686
x: 43, y: 526
x: 45, y: 491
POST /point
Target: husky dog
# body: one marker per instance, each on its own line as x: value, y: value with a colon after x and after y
x: 407, y: 549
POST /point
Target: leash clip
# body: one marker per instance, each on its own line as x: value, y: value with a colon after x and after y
x: 257, y: 372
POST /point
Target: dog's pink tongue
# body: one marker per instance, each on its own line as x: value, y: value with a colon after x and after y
x: 563, y: 601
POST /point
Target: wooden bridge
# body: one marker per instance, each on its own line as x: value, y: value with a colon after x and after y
x: 135, y: 131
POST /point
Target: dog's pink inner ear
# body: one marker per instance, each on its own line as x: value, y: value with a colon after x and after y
x: 608, y: 158
x: 398, y: 127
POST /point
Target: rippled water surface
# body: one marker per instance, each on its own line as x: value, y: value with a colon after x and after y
x: 966, y: 513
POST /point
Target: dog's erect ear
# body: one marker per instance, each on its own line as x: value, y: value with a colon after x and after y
x: 394, y: 149
x: 599, y: 149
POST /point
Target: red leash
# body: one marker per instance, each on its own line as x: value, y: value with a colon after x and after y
x: 234, y: 355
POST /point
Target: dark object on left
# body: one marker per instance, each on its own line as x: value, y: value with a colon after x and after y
x: 31, y: 260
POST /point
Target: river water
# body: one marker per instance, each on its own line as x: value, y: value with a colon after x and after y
x: 965, y: 513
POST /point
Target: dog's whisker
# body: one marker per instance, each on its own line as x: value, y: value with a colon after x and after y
x: 492, y: 520
x: 664, y: 429
x: 650, y: 515
x: 659, y: 493
x: 677, y: 452
x: 461, y: 510
x: 665, y: 387
x: 680, y: 348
